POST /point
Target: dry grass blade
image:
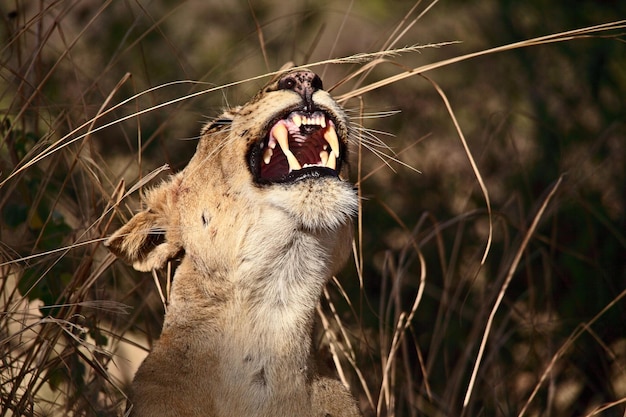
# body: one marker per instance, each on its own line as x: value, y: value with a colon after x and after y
x: 557, y: 37
x: 509, y: 276
x: 64, y: 249
x: 564, y: 348
x: 479, y: 178
x: 606, y: 407
x: 428, y: 321
x: 403, y: 323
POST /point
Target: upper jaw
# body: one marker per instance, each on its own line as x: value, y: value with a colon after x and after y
x: 299, y: 144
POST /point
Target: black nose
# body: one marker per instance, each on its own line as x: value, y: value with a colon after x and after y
x: 303, y: 82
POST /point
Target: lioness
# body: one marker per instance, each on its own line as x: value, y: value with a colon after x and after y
x: 260, y: 219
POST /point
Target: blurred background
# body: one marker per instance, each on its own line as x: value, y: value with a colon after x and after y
x: 95, y: 96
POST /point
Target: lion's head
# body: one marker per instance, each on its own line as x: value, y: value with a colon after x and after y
x: 275, y: 164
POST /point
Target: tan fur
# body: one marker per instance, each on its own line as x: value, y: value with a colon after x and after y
x: 253, y: 261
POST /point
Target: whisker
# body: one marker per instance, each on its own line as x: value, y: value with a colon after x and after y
x: 372, y: 115
x: 368, y: 138
x: 373, y: 132
x: 190, y: 138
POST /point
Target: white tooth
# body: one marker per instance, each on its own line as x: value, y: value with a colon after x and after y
x: 297, y: 120
x: 324, y: 157
x: 294, y: 165
x: 331, y: 137
x: 332, y: 161
x: 279, y: 132
x: 323, y: 121
x: 282, y: 137
x: 267, y: 155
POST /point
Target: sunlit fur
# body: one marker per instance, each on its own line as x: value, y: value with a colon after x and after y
x: 253, y: 262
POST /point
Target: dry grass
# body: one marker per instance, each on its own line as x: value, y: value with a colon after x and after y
x: 491, y: 284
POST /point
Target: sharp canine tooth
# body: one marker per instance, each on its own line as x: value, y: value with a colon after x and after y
x: 331, y: 137
x: 324, y: 157
x: 323, y: 121
x: 294, y: 165
x: 297, y: 120
x: 282, y: 137
x: 267, y: 155
x: 332, y: 161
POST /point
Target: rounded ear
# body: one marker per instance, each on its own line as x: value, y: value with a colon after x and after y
x: 141, y: 243
x: 149, y: 239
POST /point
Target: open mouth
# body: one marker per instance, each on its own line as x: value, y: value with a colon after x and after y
x: 301, y: 145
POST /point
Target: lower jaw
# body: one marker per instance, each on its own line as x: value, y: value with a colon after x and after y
x: 311, y: 172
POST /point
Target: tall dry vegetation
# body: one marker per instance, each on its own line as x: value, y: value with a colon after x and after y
x: 491, y: 283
